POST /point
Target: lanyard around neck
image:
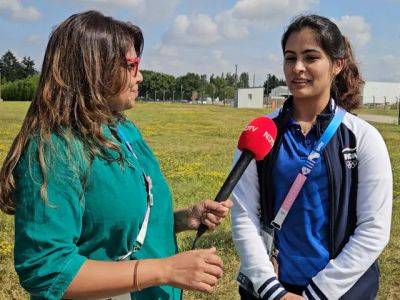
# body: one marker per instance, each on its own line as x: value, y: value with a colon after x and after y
x: 312, y: 159
x: 148, y: 183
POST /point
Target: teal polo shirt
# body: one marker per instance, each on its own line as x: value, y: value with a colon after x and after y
x: 94, y: 210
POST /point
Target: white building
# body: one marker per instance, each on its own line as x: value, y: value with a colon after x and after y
x: 281, y: 91
x: 249, y: 97
x: 380, y: 92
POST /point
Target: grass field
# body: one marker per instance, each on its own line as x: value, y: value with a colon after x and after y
x: 377, y: 111
x: 194, y: 144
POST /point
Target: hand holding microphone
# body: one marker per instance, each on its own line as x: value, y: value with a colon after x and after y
x: 255, y: 142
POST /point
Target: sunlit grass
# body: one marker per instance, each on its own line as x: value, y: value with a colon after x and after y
x: 194, y: 145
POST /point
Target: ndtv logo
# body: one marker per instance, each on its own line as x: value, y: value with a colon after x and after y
x: 266, y: 135
x: 251, y: 128
x: 269, y: 138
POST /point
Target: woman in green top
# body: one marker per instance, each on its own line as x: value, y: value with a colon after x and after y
x: 93, y: 212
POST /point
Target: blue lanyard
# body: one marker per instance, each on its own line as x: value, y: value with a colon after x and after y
x: 312, y: 159
x: 127, y: 144
x: 315, y: 154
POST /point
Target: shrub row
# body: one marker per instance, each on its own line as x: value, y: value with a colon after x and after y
x: 20, y: 90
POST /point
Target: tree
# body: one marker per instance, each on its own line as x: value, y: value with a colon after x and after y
x: 11, y: 69
x: 230, y: 79
x: 28, y: 66
x: 243, y: 80
x: 272, y: 82
x: 190, y: 83
x: 156, y: 85
x: 220, y: 83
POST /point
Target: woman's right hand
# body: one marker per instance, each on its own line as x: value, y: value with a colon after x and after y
x: 194, y: 270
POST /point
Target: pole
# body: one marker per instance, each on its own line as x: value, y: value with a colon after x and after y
x: 181, y: 93
x: 155, y: 93
x: 236, y: 77
x: 254, y: 79
x: 0, y: 88
x: 398, y: 110
x: 173, y: 95
x: 163, y: 96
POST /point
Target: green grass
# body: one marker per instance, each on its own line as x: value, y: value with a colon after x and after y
x: 194, y: 144
x: 377, y: 111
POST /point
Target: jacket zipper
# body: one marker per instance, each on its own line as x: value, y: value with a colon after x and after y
x: 332, y: 198
x: 272, y: 161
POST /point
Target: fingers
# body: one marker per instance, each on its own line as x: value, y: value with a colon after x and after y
x: 220, y: 209
x: 203, y: 287
x: 210, y: 225
x: 214, y: 260
x: 227, y: 203
x: 217, y: 207
x: 210, y: 256
x: 211, y: 220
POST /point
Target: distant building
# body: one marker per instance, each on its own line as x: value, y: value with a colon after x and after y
x: 380, y: 92
x: 249, y: 97
x: 280, y: 92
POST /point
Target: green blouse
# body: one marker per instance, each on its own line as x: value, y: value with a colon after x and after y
x: 93, y: 212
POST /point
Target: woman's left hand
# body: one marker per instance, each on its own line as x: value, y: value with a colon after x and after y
x: 209, y: 213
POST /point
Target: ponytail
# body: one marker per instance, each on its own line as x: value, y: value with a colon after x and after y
x: 346, y: 87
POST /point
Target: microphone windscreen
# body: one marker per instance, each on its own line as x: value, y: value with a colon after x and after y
x: 258, y: 137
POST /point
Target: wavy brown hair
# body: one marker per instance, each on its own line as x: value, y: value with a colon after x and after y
x: 346, y: 86
x: 81, y: 71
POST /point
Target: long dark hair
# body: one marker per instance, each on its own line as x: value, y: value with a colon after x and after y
x: 81, y: 71
x: 346, y: 87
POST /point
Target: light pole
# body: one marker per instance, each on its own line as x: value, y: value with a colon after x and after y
x: 173, y: 95
x: 0, y: 88
x: 181, y: 93
x: 398, y: 110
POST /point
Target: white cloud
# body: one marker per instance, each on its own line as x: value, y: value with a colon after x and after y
x: 194, y: 30
x: 270, y: 11
x: 391, y: 67
x: 274, y: 57
x: 34, y: 39
x: 113, y: 3
x: 231, y: 27
x: 384, y: 68
x: 18, y: 11
x: 356, y: 29
x: 179, y: 60
x: 149, y: 11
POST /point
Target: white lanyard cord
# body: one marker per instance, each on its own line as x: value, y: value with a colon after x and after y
x: 147, y: 179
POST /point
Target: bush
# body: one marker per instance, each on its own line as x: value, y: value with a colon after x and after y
x: 20, y: 90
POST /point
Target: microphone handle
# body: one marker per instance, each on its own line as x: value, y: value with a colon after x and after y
x: 230, y: 182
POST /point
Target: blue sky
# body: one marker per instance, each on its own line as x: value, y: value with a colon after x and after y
x: 211, y: 36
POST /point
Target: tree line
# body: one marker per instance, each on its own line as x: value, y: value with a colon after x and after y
x: 191, y: 86
x: 19, y: 81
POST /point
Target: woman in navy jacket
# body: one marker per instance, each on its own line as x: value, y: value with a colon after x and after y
x: 340, y: 221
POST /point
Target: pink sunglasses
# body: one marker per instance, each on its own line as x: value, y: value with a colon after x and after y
x: 132, y: 64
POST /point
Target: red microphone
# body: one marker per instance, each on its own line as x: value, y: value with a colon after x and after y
x: 256, y: 142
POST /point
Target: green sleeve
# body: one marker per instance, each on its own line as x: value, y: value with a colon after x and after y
x: 46, y: 234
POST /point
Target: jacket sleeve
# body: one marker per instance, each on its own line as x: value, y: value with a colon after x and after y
x: 374, y: 210
x: 255, y: 264
x: 46, y: 233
